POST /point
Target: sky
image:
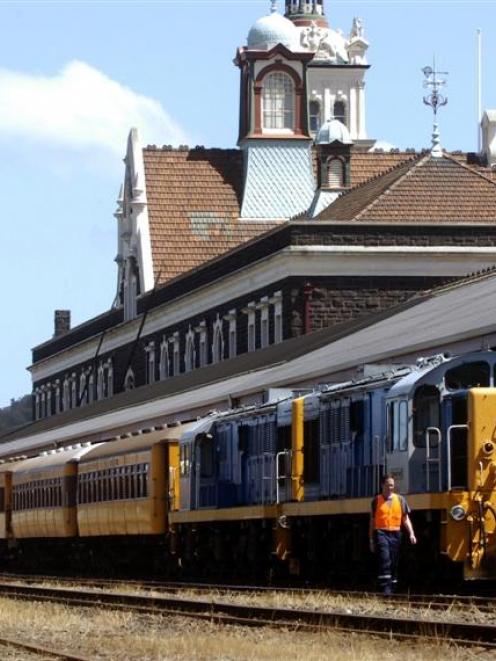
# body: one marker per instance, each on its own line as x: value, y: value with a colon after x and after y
x: 76, y: 76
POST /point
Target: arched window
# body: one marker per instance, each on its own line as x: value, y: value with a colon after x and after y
x: 164, y: 359
x: 335, y: 173
x: 340, y: 111
x: 314, y: 116
x: 189, y: 352
x: 129, y: 380
x: 217, y: 343
x: 278, y: 101
x: 150, y: 363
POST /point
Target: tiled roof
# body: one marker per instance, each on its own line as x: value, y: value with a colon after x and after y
x: 194, y: 199
x: 424, y: 189
x: 193, y: 207
x: 367, y: 165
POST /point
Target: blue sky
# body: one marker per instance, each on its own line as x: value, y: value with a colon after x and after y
x: 75, y: 76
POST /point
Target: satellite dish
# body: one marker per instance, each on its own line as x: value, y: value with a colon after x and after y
x: 427, y: 71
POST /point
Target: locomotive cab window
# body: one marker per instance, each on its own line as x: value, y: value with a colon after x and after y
x: 469, y: 375
x: 426, y: 413
x: 397, y: 428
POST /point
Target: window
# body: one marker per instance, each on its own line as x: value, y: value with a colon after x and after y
x: 99, y: 382
x: 49, y: 400
x: 150, y: 362
x: 264, y: 323
x: 335, y: 173
x: 175, y: 354
x: 278, y: 101
x: 251, y: 327
x: 91, y: 386
x: 470, y: 375
x: 340, y: 111
x: 73, y: 391
x: 277, y: 317
x: 203, y: 352
x: 314, y: 116
x: 218, y: 342
x: 129, y: 381
x: 189, y: 353
x: 231, y: 318
x: 164, y: 360
x: 397, y: 436
x: 65, y: 400
x: 83, y: 390
x: 426, y: 413
x: 57, y: 397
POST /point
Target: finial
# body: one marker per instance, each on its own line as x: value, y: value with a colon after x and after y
x: 435, y: 100
x: 273, y: 6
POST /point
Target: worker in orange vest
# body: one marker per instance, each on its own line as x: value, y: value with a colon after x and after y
x: 390, y: 512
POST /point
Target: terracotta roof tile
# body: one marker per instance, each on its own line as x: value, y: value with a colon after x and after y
x: 194, y: 199
x: 424, y: 189
x: 193, y: 207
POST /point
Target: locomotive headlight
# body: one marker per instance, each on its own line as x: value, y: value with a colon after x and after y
x: 488, y: 448
x: 458, y: 513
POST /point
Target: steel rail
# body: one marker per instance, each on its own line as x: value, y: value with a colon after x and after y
x: 40, y: 650
x: 411, y: 600
x: 458, y: 632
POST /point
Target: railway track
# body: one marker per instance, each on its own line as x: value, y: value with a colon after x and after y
x: 225, y: 612
x: 411, y: 600
x: 38, y: 650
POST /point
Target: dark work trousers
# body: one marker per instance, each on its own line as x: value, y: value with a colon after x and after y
x: 387, y: 548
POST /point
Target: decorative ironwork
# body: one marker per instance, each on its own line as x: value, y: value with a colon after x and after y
x: 435, y: 100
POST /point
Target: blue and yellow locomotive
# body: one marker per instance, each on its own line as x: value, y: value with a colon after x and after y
x: 286, y: 484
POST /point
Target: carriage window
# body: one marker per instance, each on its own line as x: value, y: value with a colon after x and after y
x: 469, y: 375
x: 426, y: 413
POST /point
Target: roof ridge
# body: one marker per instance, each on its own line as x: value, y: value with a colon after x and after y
x: 382, y: 173
x: 467, y: 167
x: 469, y: 278
x: 418, y: 162
x: 187, y: 149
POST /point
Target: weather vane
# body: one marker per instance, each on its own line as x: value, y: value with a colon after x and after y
x: 435, y: 100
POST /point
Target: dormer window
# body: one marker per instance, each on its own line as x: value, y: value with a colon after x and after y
x: 335, y: 173
x: 278, y: 101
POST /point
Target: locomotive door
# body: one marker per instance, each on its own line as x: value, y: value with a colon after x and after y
x: 397, y: 443
x: 428, y: 448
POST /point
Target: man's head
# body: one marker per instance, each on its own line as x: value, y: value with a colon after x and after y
x: 387, y: 485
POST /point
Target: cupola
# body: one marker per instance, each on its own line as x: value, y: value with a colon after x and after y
x: 333, y: 149
x: 271, y: 30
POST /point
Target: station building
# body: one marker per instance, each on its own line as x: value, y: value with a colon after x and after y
x: 236, y: 268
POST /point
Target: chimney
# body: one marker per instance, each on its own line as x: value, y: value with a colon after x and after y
x: 62, y: 322
x: 488, y: 126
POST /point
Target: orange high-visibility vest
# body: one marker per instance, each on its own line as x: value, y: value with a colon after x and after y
x: 388, y: 515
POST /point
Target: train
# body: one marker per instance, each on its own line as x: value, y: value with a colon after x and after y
x: 281, y: 488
